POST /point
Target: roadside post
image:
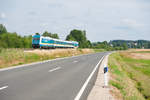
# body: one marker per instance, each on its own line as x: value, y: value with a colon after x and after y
x: 105, y: 76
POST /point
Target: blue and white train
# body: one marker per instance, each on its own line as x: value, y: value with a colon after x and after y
x: 47, y: 42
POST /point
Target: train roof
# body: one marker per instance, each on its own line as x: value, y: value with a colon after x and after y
x: 59, y: 40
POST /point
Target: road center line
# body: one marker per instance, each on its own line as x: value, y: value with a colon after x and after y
x: 4, y: 87
x: 54, y: 69
x: 75, y: 61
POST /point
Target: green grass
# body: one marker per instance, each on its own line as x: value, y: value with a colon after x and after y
x: 141, y: 51
x: 117, y: 85
x: 99, y: 50
x: 130, y: 76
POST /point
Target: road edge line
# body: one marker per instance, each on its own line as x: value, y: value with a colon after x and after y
x: 78, y: 96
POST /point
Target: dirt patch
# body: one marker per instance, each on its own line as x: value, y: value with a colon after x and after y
x: 136, y: 55
x: 140, y: 55
x: 139, y: 50
x: 116, y: 93
x: 1, y: 61
x: 142, y: 49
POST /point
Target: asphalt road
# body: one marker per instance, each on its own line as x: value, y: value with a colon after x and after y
x: 54, y: 80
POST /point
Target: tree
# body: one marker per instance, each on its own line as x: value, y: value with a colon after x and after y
x: 46, y: 34
x: 37, y: 33
x: 27, y: 41
x: 149, y: 45
x: 70, y: 38
x: 10, y: 40
x: 124, y: 46
x: 55, y: 35
x: 13, y: 40
x: 89, y: 44
x: 2, y: 29
x: 79, y: 36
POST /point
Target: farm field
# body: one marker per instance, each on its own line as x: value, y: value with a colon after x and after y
x: 130, y: 74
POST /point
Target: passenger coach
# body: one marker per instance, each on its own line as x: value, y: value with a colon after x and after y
x: 47, y: 42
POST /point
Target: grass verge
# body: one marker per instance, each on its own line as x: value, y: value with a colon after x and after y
x: 130, y: 77
x: 13, y: 57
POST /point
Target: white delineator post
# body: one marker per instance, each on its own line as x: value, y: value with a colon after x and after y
x: 105, y: 76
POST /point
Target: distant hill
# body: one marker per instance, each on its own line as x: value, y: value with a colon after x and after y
x: 131, y: 44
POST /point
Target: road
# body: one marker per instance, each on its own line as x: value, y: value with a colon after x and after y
x: 59, y: 79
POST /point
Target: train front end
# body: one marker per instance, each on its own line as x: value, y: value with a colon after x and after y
x: 36, y: 41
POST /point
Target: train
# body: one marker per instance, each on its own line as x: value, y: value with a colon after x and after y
x: 39, y: 41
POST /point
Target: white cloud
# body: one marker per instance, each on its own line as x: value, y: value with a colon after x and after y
x: 44, y: 24
x: 131, y: 23
x: 32, y: 13
x: 2, y: 16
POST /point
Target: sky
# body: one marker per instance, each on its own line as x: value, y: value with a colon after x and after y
x: 102, y: 19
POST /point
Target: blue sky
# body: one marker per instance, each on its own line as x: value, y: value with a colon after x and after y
x: 102, y: 19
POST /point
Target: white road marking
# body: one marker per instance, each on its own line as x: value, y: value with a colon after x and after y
x: 4, y: 87
x: 75, y: 61
x: 87, y: 81
x: 54, y: 69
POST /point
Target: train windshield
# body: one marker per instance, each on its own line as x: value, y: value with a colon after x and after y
x: 35, y: 40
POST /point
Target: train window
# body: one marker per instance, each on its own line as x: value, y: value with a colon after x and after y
x: 56, y: 42
x: 45, y: 40
x: 51, y: 41
x: 36, y: 38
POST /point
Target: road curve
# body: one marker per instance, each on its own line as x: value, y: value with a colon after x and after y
x: 54, y: 80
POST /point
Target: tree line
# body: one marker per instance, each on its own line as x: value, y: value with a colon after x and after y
x: 145, y: 44
x: 123, y: 44
x: 13, y: 40
x: 108, y: 46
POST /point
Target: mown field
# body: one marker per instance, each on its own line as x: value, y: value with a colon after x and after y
x: 13, y: 57
x: 130, y: 74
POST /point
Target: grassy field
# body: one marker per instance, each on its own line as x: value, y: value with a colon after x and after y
x: 99, y: 50
x: 130, y: 75
x: 13, y: 57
